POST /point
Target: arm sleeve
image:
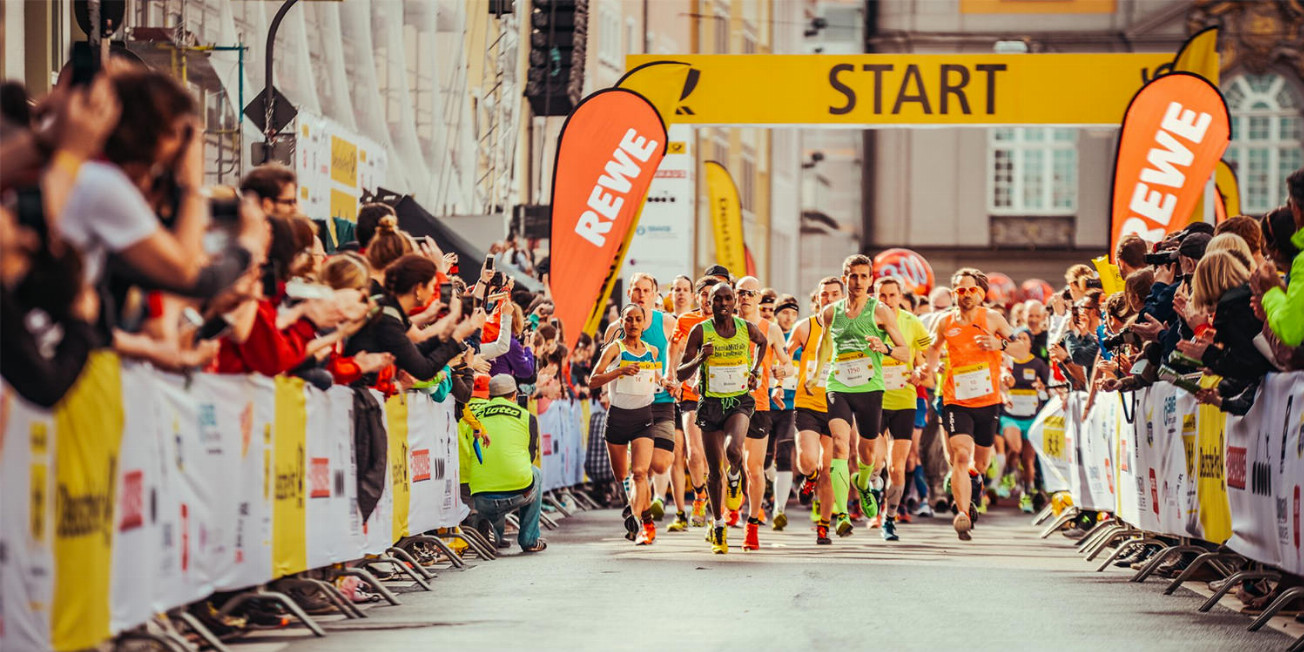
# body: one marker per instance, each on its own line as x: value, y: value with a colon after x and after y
x: 1285, y: 309
x: 500, y: 346
x: 422, y: 365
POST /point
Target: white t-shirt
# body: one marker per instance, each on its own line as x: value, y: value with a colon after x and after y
x: 105, y: 213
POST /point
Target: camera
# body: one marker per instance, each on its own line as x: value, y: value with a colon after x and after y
x: 1162, y: 258
x: 1119, y: 339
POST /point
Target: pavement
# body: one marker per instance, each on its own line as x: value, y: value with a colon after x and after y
x: 593, y: 590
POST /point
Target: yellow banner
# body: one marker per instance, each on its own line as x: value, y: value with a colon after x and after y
x: 88, y: 431
x: 396, y: 421
x: 894, y: 89
x: 726, y: 219
x: 1211, y: 469
x: 289, y: 466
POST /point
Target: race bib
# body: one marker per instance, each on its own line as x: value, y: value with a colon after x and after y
x: 789, y: 382
x: 973, y: 381
x: 1029, y: 374
x: 853, y: 369
x: 641, y: 384
x: 895, y: 375
x: 1023, y: 402
x: 726, y: 379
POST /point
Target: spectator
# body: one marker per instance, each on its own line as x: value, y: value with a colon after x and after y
x: 386, y: 245
x: 369, y: 217
x: 518, y: 362
x: 1131, y: 255
x: 1283, y: 304
x: 1220, y: 285
x: 1250, y: 232
x: 275, y: 187
x: 1080, y: 279
x: 1083, y: 339
x: 501, y: 474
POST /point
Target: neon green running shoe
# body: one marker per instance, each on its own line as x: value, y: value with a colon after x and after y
x: 658, y: 509
x: 868, y: 503
x: 1025, y: 504
x: 844, y: 527
x: 1006, y: 487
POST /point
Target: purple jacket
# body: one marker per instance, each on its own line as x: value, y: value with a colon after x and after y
x: 518, y: 361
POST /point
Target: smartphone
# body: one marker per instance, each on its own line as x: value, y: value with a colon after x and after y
x: 300, y: 289
x: 84, y: 65
x: 489, y: 262
x: 446, y: 293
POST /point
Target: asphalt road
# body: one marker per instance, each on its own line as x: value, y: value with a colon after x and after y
x: 1005, y: 590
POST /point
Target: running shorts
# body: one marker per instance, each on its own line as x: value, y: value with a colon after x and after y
x: 900, y: 423
x: 1014, y: 422
x: 783, y: 425
x: 663, y: 425
x: 712, y: 414
x: 865, y: 407
x: 978, y: 422
x: 814, y: 421
x: 921, y: 413
x: 687, y: 406
x: 624, y: 426
x: 759, y: 426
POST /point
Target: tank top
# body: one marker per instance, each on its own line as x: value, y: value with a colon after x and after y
x: 811, y: 400
x: 855, y: 368
x: 655, y: 336
x: 972, y: 375
x: 633, y: 392
x: 1024, y: 401
x: 762, y: 392
x: 899, y: 394
x: 683, y: 326
x: 724, y: 373
x: 789, y: 382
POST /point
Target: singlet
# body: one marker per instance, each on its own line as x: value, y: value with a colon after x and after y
x: 683, y: 326
x: 789, y: 382
x: 811, y: 400
x: 762, y: 392
x: 724, y: 374
x: 1024, y: 400
x: 633, y: 392
x: 855, y: 368
x: 972, y: 375
x: 900, y: 394
x: 655, y: 335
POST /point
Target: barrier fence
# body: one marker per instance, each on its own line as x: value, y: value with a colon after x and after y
x: 144, y: 491
x: 1164, y: 464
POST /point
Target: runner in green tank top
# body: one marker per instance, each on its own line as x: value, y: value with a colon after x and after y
x: 855, y: 344
x: 720, y: 349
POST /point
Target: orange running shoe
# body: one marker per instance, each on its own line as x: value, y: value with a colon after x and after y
x: 732, y: 519
x: 699, y: 512
x: 648, y: 535
x: 753, y: 539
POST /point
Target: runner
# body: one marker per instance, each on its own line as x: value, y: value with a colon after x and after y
x: 681, y: 294
x: 783, y: 416
x: 1025, y: 394
x: 681, y: 298
x: 720, y: 348
x: 632, y: 364
x: 691, y: 446
x: 814, y: 439
x: 973, y: 337
x: 900, y: 406
x: 758, y: 430
x: 854, y: 341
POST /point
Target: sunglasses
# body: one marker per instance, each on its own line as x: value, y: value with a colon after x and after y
x: 970, y: 290
x: 747, y: 293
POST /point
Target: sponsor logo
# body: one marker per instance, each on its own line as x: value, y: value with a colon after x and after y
x: 1154, y: 493
x: 547, y: 443
x: 133, y: 501
x: 421, y: 465
x: 1236, y: 467
x: 319, y: 477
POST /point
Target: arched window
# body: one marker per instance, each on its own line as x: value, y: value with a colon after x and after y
x: 1267, y: 134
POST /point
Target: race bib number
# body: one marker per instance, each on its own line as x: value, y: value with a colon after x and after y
x: 853, y: 369
x: 641, y: 384
x: 1029, y: 374
x: 1023, y: 402
x: 789, y: 382
x: 895, y: 375
x: 727, y: 379
x: 974, y: 381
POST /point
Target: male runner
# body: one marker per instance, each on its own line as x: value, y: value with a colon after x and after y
x: 758, y: 431
x: 814, y: 439
x: 973, y: 336
x: 681, y: 294
x: 1025, y: 394
x: 854, y: 341
x: 900, y: 406
x: 783, y: 415
x: 720, y: 351
x: 691, y: 446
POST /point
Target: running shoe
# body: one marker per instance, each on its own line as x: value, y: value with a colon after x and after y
x: 876, y: 522
x: 822, y: 535
x: 719, y: 544
x: 924, y: 510
x: 946, y: 484
x: 733, y: 493
x: 763, y: 518
x: 962, y: 525
x: 1025, y: 504
x: 699, y: 512
x: 753, y: 539
x: 1006, y: 487
x: 983, y: 502
x: 679, y: 524
x: 649, y: 533
x: 658, y: 508
x: 732, y: 519
x: 807, y: 491
x: 903, y: 515
x: 889, y: 530
x: 868, y: 502
x: 853, y: 509
x: 780, y: 522
x: 877, y: 493
x: 975, y: 486
x: 844, y: 526
x: 631, y: 523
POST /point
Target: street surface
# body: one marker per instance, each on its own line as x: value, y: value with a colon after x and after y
x: 593, y: 590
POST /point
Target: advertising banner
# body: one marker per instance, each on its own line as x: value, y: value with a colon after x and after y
x: 607, y: 155
x: 663, y: 240
x: 1047, y: 436
x: 334, y: 166
x: 726, y: 218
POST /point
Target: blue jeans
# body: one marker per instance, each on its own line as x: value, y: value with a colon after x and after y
x: 527, y: 503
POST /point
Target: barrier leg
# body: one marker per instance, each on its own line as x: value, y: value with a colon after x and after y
x: 574, y: 497
x: 362, y: 574
x: 162, y: 640
x: 402, y: 567
x: 585, y: 499
x: 403, y: 556
x: 1160, y: 558
x: 1128, y: 545
x: 442, y: 546
x: 1069, y: 514
x: 1044, y: 515
x: 482, y: 540
x: 1231, y: 584
x: 198, y: 628
x: 471, y: 546
x: 552, y: 500
x: 1288, y: 596
x: 332, y: 594
x: 1098, y: 532
x: 514, y: 522
x: 284, y: 600
x: 1297, y: 646
x: 547, y: 521
x: 1105, y: 542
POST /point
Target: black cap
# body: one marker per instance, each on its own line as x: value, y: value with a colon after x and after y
x: 719, y: 270
x: 1199, y: 227
x: 1193, y: 245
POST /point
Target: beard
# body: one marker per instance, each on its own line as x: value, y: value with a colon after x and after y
x: 967, y: 302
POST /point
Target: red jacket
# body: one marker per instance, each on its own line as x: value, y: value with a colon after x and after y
x: 267, y: 351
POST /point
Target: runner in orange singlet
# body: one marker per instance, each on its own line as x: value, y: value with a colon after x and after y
x: 974, y: 337
x: 694, y: 449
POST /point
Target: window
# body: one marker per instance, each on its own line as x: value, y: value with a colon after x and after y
x: 610, y: 33
x: 1267, y: 133
x: 747, y: 180
x: 721, y: 27
x: 1033, y: 170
